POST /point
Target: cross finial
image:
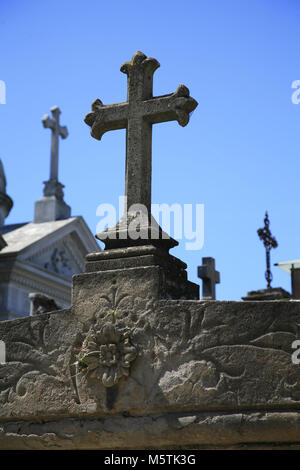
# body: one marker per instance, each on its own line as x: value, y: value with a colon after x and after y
x: 54, y: 188
x: 210, y: 278
x: 137, y: 115
x: 269, y: 243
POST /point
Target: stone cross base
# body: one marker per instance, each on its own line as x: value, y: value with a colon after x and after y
x: 50, y: 208
x: 172, y: 275
x: 136, y: 229
x: 274, y: 293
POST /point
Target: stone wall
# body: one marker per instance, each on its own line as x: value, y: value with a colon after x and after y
x: 123, y: 368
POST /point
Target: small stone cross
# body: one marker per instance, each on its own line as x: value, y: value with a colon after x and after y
x: 57, y: 130
x: 210, y: 278
x: 137, y: 115
x: 52, y: 206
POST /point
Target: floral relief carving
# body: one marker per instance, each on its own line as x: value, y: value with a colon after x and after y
x: 27, y: 357
x: 106, y: 354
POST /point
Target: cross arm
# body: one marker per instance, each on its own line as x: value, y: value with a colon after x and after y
x: 208, y: 272
x: 48, y: 123
x: 105, y: 118
x: 176, y: 106
x: 63, y: 132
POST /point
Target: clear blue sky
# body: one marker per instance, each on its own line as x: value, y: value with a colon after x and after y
x: 240, y: 153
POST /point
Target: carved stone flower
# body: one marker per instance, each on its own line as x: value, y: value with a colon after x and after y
x: 107, y: 355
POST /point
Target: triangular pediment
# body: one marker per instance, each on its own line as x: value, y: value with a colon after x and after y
x: 59, y: 247
x: 59, y: 258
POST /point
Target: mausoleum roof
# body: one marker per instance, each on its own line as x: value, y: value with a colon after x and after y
x: 8, y: 228
x: 287, y: 265
x: 22, y: 236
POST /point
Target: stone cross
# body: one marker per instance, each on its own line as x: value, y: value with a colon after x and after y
x: 137, y: 115
x: 57, y: 130
x: 52, y: 206
x: 210, y: 278
x: 269, y: 242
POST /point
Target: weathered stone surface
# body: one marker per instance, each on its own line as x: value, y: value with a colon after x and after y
x: 173, y: 282
x: 190, y: 355
x: 123, y: 366
x: 196, y: 373
x: 196, y: 430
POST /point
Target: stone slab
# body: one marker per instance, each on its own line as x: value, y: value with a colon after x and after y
x: 258, y: 430
x: 183, y: 369
x: 274, y: 293
x: 190, y: 355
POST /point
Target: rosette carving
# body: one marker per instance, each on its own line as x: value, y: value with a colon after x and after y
x: 107, y: 355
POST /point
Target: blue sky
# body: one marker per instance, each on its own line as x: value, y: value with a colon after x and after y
x: 239, y: 155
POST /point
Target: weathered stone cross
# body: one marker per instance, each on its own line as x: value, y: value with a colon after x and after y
x: 137, y: 115
x: 57, y: 131
x: 210, y: 278
x: 52, y: 206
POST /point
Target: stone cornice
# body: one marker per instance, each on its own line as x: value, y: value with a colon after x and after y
x: 39, y: 279
x: 38, y: 287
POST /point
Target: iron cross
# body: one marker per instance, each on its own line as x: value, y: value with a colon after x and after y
x: 57, y: 131
x: 137, y: 115
x: 210, y: 278
x: 269, y: 243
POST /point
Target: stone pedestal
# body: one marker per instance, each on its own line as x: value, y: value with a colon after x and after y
x: 136, y: 228
x: 173, y: 282
x: 50, y: 208
x: 274, y: 293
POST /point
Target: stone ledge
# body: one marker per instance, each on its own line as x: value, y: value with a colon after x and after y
x: 131, y: 251
x: 244, y: 430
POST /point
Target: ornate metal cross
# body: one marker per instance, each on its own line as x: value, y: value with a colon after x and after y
x: 57, y: 130
x: 269, y: 243
x: 210, y: 278
x: 137, y: 115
